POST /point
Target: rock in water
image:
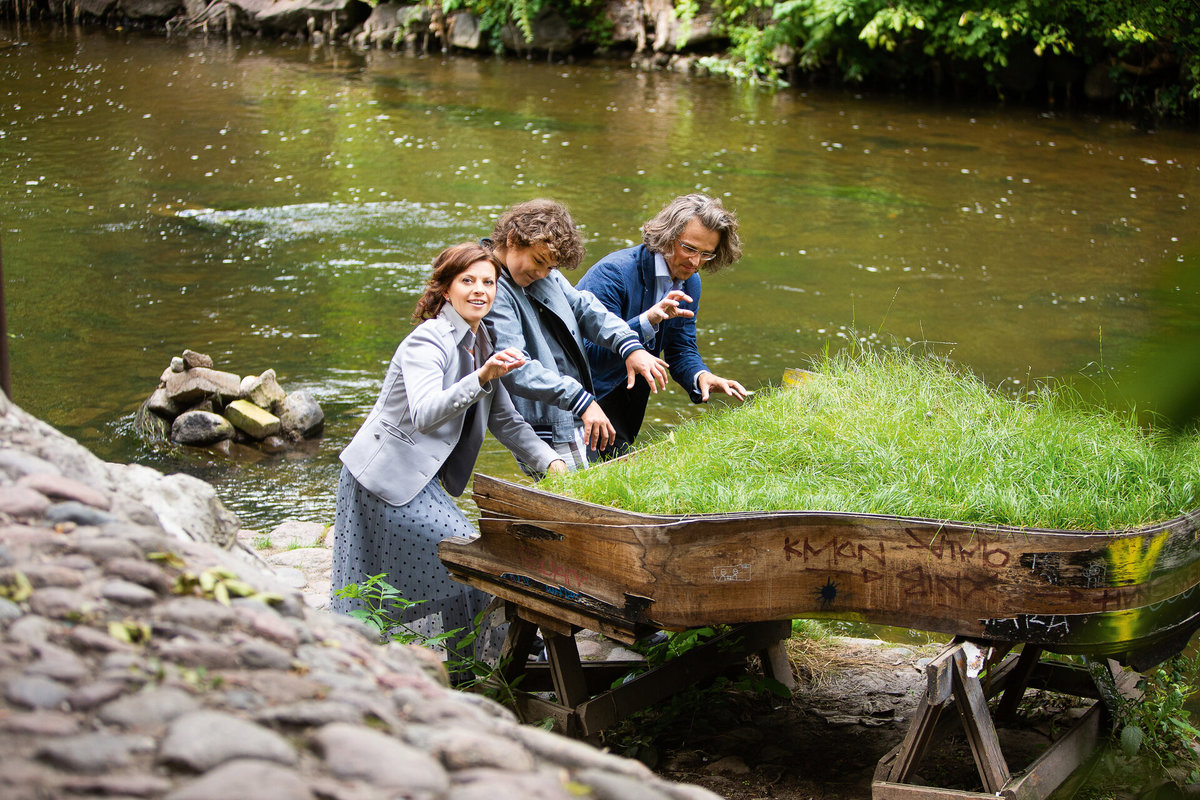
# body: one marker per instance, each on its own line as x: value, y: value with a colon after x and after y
x: 249, y: 418
x: 200, y: 428
x: 265, y: 391
x: 301, y: 416
x: 192, y: 359
x: 153, y: 429
x: 186, y: 388
x: 162, y: 405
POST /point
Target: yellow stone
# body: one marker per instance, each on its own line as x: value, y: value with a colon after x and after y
x: 251, y: 419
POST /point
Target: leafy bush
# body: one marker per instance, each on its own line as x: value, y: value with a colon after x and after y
x: 1153, y: 47
x: 1157, y: 727
x: 495, y: 14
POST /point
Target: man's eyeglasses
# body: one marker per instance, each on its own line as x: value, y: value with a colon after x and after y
x: 690, y: 251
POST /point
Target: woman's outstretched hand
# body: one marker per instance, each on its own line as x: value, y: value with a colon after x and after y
x: 500, y: 364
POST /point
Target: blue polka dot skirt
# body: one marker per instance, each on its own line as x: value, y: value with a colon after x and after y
x: 371, y: 536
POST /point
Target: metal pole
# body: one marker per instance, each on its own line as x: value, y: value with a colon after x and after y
x: 5, y: 383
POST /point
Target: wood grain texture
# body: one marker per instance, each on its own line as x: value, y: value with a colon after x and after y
x: 1124, y: 594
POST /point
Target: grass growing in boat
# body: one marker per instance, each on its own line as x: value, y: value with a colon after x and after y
x: 888, y: 433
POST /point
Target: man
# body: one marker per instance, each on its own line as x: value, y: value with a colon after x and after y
x: 655, y: 287
x: 539, y: 312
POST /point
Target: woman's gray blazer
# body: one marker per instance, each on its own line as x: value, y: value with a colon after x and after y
x: 415, y: 431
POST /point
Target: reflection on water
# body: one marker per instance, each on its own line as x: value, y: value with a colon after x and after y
x: 277, y: 207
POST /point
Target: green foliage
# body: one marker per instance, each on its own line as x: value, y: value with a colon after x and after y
x: 1154, y: 47
x: 1157, y: 727
x: 494, y: 15
x: 677, y: 643
x: 909, y: 435
x: 383, y: 606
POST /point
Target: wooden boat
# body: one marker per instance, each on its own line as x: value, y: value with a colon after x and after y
x: 1128, y: 595
x: 1116, y: 596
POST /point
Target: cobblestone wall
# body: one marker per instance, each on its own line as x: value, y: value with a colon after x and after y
x: 144, y: 655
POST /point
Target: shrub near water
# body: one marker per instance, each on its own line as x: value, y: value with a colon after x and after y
x: 908, y: 436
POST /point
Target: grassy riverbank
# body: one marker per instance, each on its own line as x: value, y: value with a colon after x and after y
x: 911, y: 436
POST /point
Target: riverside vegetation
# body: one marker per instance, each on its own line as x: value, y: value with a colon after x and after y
x: 908, y: 435
x: 1136, y: 55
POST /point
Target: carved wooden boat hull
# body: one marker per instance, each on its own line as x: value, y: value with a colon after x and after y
x: 1129, y: 595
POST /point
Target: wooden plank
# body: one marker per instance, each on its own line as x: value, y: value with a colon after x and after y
x: 1062, y: 758
x: 600, y: 675
x: 1015, y: 692
x: 514, y: 653
x: 980, y: 730
x: 546, y: 622
x: 885, y: 790
x: 916, y: 741
x: 569, y: 684
x: 612, y: 628
x: 531, y: 709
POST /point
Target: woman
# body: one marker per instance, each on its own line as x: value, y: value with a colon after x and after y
x: 420, y: 442
x: 538, y: 312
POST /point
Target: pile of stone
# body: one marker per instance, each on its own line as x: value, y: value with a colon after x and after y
x: 144, y: 655
x: 196, y: 404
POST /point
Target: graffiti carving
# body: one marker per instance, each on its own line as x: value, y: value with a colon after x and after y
x: 951, y: 548
x: 549, y: 567
x: 732, y: 572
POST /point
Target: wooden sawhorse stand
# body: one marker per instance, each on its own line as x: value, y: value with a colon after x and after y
x: 585, y: 703
x: 950, y: 680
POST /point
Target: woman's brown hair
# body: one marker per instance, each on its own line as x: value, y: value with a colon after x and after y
x: 449, y: 264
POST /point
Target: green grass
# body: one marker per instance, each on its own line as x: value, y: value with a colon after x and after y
x: 907, y: 435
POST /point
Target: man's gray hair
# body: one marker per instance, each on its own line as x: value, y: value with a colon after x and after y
x: 661, y: 232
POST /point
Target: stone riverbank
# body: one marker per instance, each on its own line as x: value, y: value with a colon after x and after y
x: 146, y: 651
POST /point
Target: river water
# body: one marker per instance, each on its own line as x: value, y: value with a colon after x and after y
x: 278, y: 206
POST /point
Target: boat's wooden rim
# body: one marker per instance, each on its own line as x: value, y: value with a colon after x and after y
x: 487, y: 487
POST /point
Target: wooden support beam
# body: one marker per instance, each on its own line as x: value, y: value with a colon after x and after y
x: 916, y: 741
x: 939, y: 673
x: 569, y: 684
x: 584, y: 702
x: 1030, y: 655
x: 1035, y: 782
x: 514, y: 653
x: 1055, y: 765
x: 980, y: 730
